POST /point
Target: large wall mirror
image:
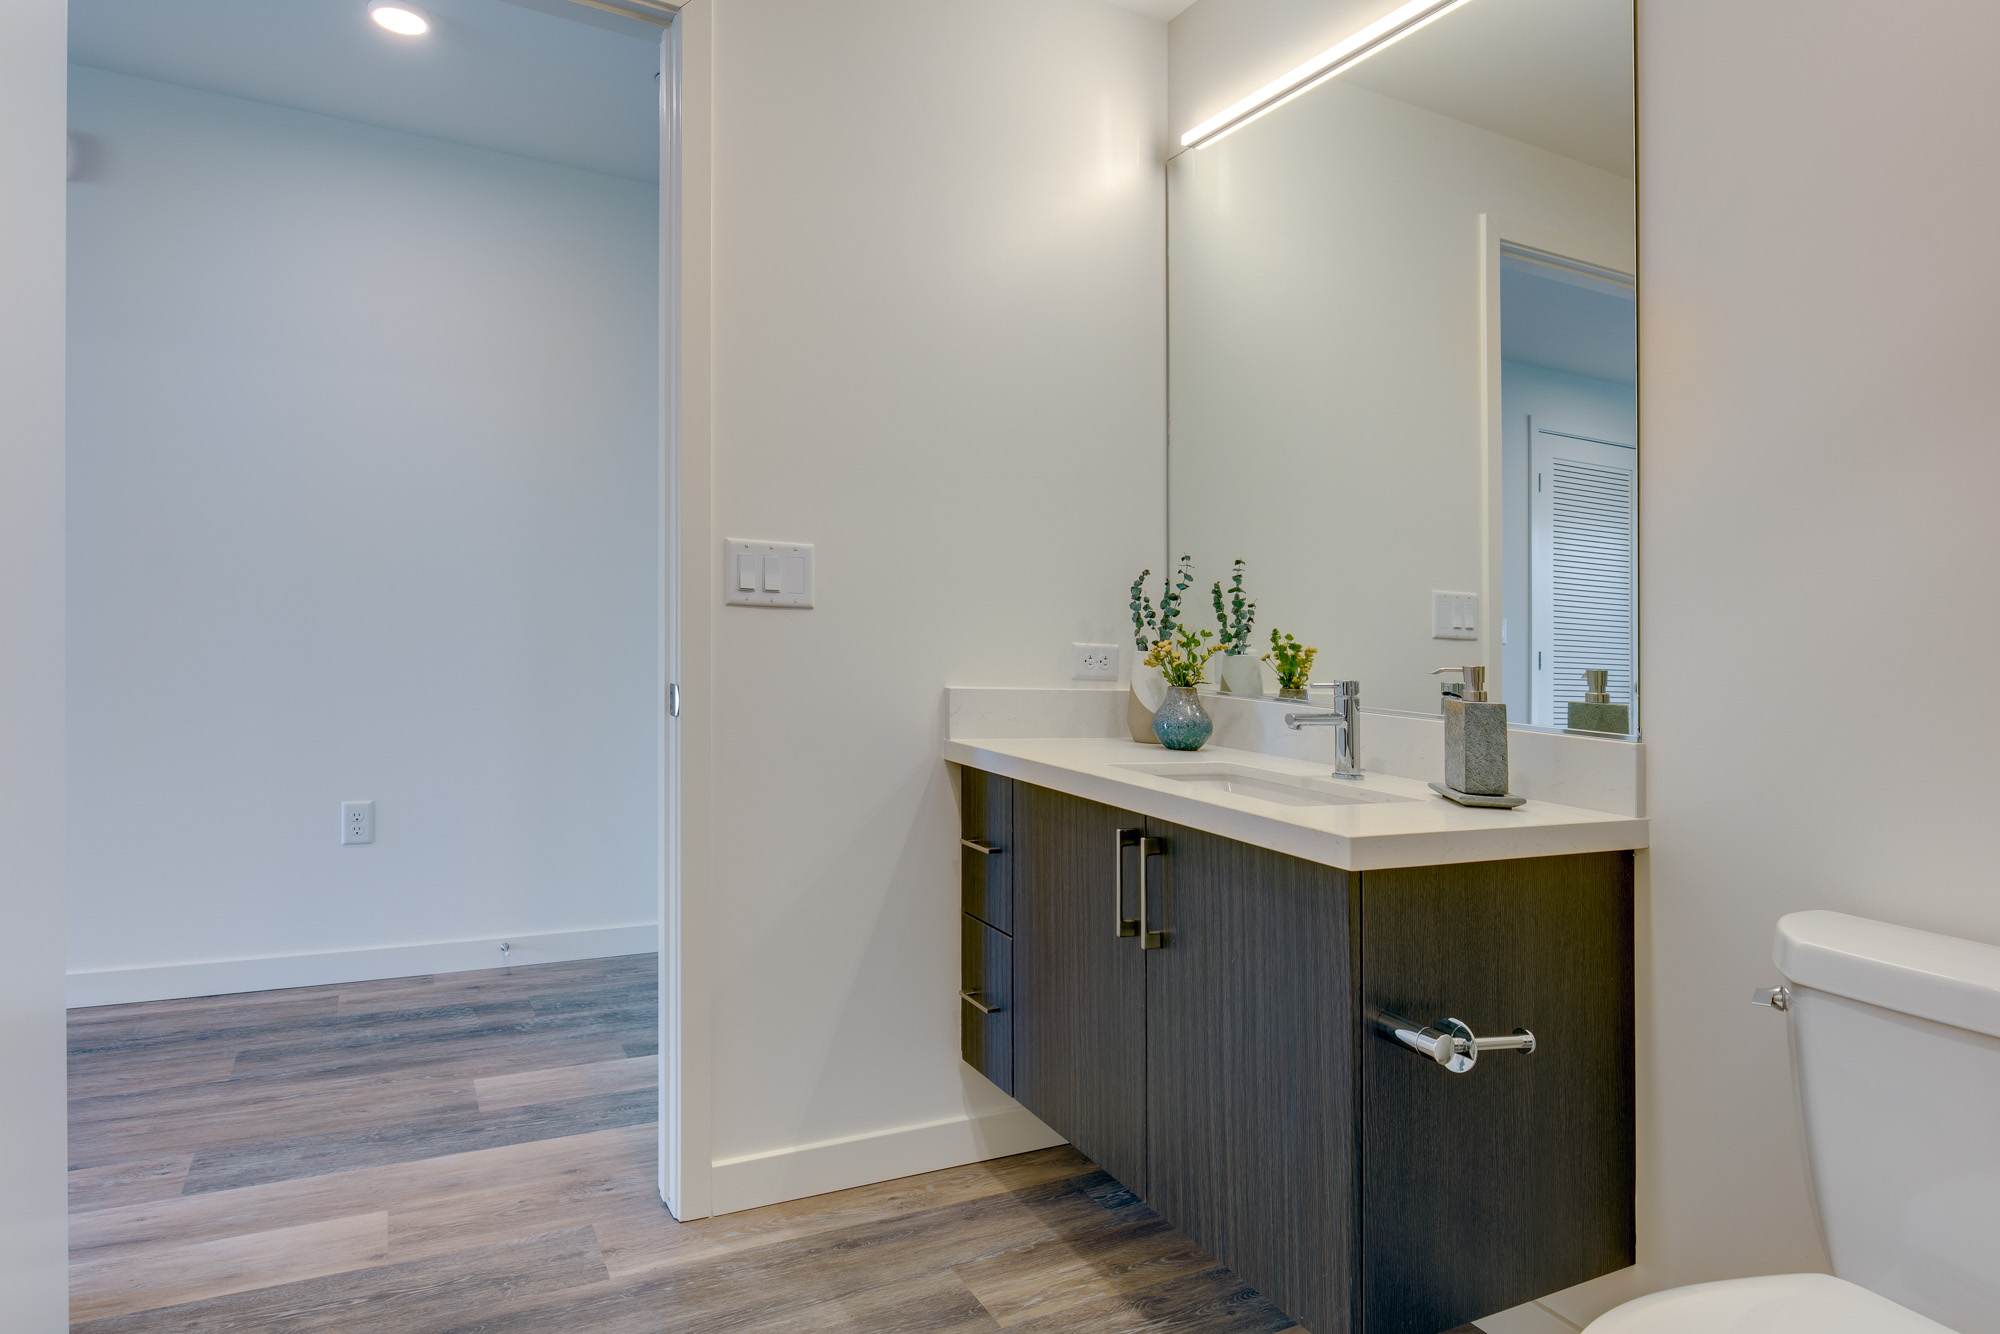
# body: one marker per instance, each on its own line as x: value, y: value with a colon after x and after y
x: 1403, y: 360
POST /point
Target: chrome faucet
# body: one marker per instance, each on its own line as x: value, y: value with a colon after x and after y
x: 1346, y: 717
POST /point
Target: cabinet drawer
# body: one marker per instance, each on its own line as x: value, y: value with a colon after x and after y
x: 986, y: 848
x: 986, y: 1000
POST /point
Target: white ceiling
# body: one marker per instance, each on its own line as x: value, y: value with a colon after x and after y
x: 1163, y: 10
x: 505, y: 76
x: 1553, y: 73
x: 1567, y: 327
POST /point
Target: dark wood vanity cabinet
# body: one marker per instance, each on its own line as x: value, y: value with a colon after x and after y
x: 1250, y: 1076
x: 1515, y: 1179
x: 1237, y: 1076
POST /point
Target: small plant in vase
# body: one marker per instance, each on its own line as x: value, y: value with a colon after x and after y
x: 1293, y: 662
x: 1181, y: 723
x: 1152, y: 626
x: 1240, y: 673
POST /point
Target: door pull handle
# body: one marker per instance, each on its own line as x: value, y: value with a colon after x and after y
x: 1451, y: 1043
x: 974, y: 999
x: 980, y: 845
x: 1122, y: 925
x: 1149, y: 939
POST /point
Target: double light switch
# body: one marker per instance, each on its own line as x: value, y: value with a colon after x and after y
x: 768, y: 574
x: 1454, y: 615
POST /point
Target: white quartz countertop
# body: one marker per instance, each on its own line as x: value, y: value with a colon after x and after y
x: 1395, y: 822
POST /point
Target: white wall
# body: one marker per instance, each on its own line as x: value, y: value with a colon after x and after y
x: 1818, y: 405
x: 1817, y: 409
x: 34, y: 1289
x: 1327, y: 400
x: 1603, y: 409
x: 363, y: 505
x: 938, y: 355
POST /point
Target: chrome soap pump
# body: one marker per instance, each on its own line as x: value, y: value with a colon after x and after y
x: 1475, y: 745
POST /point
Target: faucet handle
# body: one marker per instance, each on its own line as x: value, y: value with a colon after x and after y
x: 1351, y: 689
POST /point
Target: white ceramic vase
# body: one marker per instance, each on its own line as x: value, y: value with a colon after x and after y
x: 1242, y: 674
x: 1149, y: 691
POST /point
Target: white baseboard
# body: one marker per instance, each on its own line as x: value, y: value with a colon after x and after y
x: 884, y: 1155
x: 223, y: 977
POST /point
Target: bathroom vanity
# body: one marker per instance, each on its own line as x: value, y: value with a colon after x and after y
x: 1401, y: 397
x: 1192, y: 967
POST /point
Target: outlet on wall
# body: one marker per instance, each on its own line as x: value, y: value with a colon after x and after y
x: 357, y: 822
x: 1093, y: 662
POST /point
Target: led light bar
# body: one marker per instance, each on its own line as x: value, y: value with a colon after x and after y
x: 1384, y: 32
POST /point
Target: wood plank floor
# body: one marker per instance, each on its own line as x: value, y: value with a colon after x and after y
x: 475, y: 1152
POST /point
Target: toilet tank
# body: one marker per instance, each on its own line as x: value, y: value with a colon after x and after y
x: 1895, y: 1039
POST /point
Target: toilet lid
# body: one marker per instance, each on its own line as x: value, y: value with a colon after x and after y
x: 1776, y: 1304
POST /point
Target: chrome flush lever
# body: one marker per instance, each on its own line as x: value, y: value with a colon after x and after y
x: 1778, y: 998
x: 1451, y: 1044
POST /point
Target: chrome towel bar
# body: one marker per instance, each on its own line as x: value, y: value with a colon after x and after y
x: 1451, y: 1043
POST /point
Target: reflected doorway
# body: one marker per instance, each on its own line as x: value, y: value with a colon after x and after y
x: 1569, y: 403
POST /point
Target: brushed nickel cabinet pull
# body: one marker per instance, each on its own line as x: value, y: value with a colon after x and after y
x: 1122, y: 925
x: 979, y: 845
x: 984, y: 1007
x: 1149, y: 939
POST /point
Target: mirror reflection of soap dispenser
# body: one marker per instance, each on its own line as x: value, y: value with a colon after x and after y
x: 1596, y: 712
x: 1475, y: 744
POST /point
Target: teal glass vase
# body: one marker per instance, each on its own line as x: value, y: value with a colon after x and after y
x: 1180, y: 722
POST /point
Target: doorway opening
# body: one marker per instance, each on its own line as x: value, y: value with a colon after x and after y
x: 369, y: 602
x: 1569, y: 485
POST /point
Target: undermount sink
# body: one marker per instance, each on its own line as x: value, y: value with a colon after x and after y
x: 1279, y: 789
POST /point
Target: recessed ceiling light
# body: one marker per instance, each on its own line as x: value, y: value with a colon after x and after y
x: 400, y: 17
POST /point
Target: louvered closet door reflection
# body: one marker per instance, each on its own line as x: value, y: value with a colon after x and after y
x: 1583, y: 562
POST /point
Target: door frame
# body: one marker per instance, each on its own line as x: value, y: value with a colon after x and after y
x: 686, y: 751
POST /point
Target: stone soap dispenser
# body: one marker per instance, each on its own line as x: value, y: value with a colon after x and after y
x: 1475, y: 745
x: 1597, y: 713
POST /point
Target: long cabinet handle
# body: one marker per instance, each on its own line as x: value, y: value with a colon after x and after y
x: 1149, y: 939
x: 1122, y: 925
x: 972, y: 998
x: 1451, y: 1043
x: 980, y: 845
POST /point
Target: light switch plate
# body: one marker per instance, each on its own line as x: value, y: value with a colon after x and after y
x: 1454, y: 615
x: 767, y: 574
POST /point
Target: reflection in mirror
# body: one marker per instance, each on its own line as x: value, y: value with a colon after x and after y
x: 1403, y: 362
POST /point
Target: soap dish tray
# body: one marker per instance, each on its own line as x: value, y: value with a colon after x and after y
x: 1474, y: 799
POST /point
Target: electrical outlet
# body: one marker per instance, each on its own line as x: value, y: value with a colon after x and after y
x: 357, y: 822
x: 1093, y: 662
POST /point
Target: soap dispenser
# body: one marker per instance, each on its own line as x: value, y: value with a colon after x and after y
x: 1597, y: 713
x: 1475, y: 745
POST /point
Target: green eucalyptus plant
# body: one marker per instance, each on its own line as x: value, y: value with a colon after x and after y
x: 1237, y: 619
x: 1149, y: 626
x: 1291, y: 660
